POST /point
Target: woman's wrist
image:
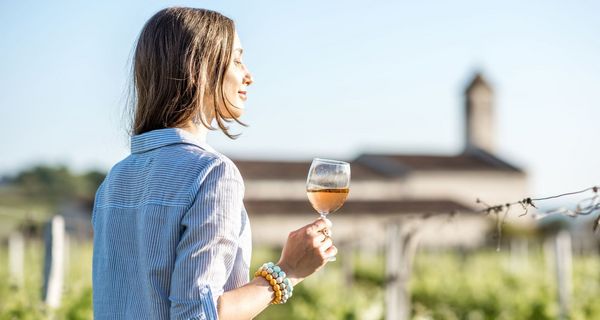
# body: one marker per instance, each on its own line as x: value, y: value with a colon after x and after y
x: 295, y: 279
x: 279, y: 281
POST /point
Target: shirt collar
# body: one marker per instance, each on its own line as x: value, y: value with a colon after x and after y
x: 163, y: 137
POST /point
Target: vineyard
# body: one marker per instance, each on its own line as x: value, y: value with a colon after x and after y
x: 445, y: 285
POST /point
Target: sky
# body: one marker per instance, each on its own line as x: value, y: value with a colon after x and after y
x: 331, y: 79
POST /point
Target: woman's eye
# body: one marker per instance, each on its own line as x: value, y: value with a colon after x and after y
x: 237, y: 62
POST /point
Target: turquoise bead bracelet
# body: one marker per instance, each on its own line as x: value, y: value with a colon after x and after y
x: 282, y: 286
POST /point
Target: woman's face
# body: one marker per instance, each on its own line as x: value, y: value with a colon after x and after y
x: 236, y: 82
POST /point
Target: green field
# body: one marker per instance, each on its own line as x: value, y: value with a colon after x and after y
x: 445, y: 285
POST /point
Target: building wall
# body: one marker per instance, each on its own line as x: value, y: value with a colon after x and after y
x: 466, y: 187
x: 296, y: 189
x: 463, y: 187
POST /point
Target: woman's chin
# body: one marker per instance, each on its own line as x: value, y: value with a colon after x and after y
x: 233, y: 111
x: 236, y: 112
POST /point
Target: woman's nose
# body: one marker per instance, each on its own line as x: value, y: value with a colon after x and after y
x: 248, y: 80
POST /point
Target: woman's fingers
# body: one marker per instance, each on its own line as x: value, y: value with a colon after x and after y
x: 316, y: 227
x: 326, y: 244
x: 320, y: 225
x: 308, y: 248
x: 331, y: 252
x: 318, y: 239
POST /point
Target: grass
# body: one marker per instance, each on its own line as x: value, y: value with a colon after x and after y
x: 445, y: 285
x: 26, y: 302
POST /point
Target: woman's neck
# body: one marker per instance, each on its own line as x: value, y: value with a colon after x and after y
x: 199, y: 131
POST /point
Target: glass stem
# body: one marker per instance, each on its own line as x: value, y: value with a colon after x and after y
x: 328, y: 231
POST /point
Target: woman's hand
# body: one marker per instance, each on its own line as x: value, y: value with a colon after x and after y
x: 307, y: 250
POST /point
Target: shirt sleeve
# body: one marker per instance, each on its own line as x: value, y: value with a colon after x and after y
x: 208, y: 244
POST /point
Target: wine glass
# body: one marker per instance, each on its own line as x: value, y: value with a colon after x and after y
x: 327, y: 186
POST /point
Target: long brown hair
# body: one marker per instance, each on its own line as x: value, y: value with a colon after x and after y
x: 180, y: 60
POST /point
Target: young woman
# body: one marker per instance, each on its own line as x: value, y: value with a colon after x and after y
x: 171, y: 236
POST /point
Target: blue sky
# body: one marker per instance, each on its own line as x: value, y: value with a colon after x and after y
x: 332, y: 79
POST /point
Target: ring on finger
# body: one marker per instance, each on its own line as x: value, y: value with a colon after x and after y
x: 323, y: 237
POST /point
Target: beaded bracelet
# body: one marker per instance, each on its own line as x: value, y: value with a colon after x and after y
x: 282, y: 286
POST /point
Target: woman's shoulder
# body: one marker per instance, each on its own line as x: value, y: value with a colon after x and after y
x: 204, y: 159
x: 203, y: 155
x: 215, y: 170
x: 174, y: 172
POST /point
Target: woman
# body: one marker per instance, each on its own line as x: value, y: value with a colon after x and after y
x: 171, y: 236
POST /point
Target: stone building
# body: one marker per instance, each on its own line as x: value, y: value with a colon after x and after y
x: 407, y: 188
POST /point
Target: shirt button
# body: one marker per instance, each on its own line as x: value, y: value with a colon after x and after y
x: 204, y: 292
x: 202, y: 316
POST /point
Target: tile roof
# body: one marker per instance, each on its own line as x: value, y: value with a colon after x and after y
x: 381, y: 166
x: 470, y: 160
x: 297, y: 170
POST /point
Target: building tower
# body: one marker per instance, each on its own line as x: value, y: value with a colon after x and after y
x: 479, y: 115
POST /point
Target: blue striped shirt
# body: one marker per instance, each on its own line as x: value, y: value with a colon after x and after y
x: 170, y: 231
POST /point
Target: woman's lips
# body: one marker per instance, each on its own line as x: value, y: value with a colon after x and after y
x: 242, y: 95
